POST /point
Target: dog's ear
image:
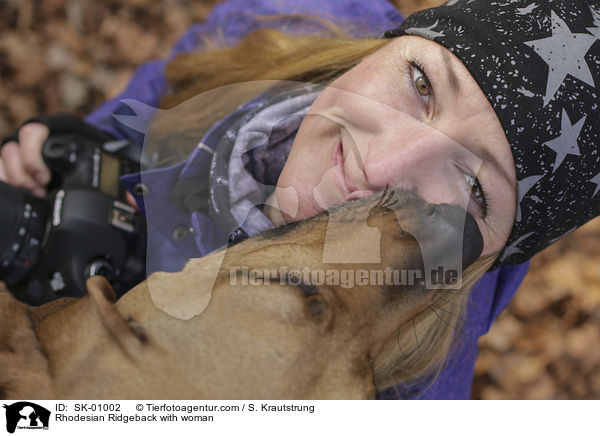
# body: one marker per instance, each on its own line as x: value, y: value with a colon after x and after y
x: 126, y: 332
x: 98, y: 286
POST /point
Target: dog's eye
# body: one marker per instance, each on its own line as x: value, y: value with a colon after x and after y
x: 315, y: 305
x: 294, y: 278
x: 308, y: 289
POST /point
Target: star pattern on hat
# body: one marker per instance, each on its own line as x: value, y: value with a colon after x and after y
x: 564, y: 52
x: 596, y: 180
x: 524, y: 186
x: 513, y: 248
x: 552, y: 241
x: 596, y: 29
x: 425, y: 32
x: 527, y: 9
x: 453, y: 2
x: 538, y: 63
x: 566, y: 142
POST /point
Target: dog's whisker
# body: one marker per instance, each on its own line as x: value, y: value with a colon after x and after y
x: 444, y: 321
x: 416, y: 337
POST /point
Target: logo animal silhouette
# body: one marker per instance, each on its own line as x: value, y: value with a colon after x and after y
x: 26, y: 414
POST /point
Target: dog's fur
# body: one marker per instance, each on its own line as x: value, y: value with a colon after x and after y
x: 270, y: 341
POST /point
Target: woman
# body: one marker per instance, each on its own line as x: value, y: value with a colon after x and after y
x: 407, y: 110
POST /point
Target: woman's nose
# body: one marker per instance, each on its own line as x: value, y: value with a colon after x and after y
x: 417, y: 158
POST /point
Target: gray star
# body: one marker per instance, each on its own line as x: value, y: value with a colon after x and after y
x: 425, y: 32
x: 596, y: 29
x: 566, y: 142
x: 564, y: 53
x: 523, y: 188
x: 511, y: 249
x: 453, y: 2
x: 596, y: 180
x: 527, y: 9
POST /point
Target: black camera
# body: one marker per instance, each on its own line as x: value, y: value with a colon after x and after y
x: 84, y: 227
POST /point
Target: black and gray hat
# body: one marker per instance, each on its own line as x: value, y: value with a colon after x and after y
x: 538, y: 63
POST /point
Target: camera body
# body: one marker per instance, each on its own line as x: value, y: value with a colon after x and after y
x: 50, y: 247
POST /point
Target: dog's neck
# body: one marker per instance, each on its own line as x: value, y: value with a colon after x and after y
x: 26, y: 364
x: 69, y: 348
x: 92, y: 347
x: 72, y: 339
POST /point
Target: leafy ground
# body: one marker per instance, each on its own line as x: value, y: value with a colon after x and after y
x: 547, y: 343
x: 72, y: 55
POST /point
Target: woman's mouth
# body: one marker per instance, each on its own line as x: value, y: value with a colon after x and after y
x: 340, y: 173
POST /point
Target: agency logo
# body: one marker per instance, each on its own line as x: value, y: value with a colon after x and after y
x: 26, y: 415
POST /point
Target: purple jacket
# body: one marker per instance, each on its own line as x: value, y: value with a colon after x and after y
x: 234, y: 19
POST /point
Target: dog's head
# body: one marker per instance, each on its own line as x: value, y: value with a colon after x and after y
x: 267, y: 318
x: 276, y: 320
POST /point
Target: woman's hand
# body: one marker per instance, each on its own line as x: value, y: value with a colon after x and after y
x: 22, y: 164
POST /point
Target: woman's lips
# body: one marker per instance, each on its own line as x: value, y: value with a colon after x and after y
x: 339, y: 162
x: 349, y: 190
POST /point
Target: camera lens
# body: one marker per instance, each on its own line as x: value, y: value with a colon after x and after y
x: 23, y: 221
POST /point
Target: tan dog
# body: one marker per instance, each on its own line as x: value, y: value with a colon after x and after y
x: 270, y: 341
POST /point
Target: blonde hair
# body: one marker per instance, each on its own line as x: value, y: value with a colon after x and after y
x: 202, y: 95
x: 267, y: 54
x: 419, y: 348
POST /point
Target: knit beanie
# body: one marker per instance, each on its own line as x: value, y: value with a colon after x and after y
x: 538, y: 63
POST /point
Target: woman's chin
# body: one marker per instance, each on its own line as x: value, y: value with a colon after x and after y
x: 326, y: 200
x: 358, y: 194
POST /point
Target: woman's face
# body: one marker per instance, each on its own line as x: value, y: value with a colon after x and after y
x: 409, y: 116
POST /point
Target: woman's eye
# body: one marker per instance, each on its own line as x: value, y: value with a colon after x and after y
x: 422, y: 85
x: 476, y: 192
x: 417, y: 78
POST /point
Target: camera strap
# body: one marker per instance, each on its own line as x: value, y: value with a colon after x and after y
x: 63, y: 123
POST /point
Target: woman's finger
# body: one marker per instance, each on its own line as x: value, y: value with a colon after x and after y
x: 2, y: 172
x: 31, y: 139
x: 131, y: 200
x: 15, y: 171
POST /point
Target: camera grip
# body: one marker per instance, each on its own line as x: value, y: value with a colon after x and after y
x: 72, y: 159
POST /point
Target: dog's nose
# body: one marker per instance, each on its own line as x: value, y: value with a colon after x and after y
x: 455, y: 226
x: 448, y: 236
